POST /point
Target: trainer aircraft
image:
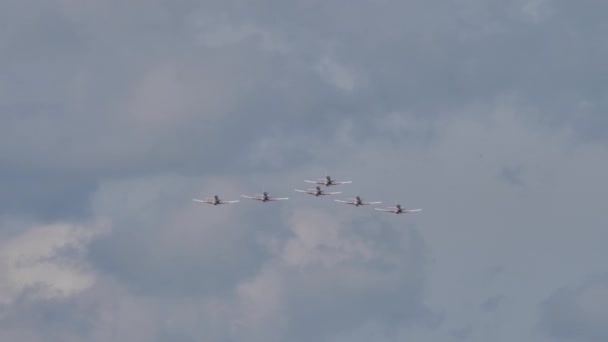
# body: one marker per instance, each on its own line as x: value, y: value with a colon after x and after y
x: 327, y: 181
x: 264, y: 197
x: 215, y: 200
x: 317, y: 192
x: 357, y: 202
x: 398, y: 210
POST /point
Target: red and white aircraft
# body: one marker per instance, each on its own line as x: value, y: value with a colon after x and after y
x: 399, y: 210
x: 357, y: 202
x: 215, y: 200
x: 327, y: 181
x: 317, y: 192
x: 265, y: 198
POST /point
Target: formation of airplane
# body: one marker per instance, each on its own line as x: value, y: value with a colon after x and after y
x: 317, y: 191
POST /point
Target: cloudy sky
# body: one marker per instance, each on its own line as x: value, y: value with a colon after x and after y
x: 489, y: 114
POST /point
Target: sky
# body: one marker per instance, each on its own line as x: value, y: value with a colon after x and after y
x: 488, y: 114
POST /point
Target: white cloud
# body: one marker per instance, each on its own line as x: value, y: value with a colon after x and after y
x: 219, y: 33
x: 326, y: 267
x: 537, y: 10
x: 337, y: 74
x: 48, y: 260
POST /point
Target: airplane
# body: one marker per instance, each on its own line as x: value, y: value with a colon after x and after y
x: 317, y: 192
x: 399, y: 210
x: 327, y: 181
x: 215, y: 200
x: 357, y: 202
x: 264, y: 197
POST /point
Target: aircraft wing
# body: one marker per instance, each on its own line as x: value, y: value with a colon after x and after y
x: 315, y: 182
x: 278, y: 199
x: 228, y: 202
x: 386, y: 210
x: 256, y: 197
x: 343, y: 182
x: 368, y: 203
x: 405, y: 211
x: 332, y: 193
x: 310, y: 192
x: 347, y: 202
x: 202, y: 201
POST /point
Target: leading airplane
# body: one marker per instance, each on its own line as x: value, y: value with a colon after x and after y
x: 215, y: 200
x: 327, y: 181
x: 357, y: 202
x: 265, y: 198
x: 399, y: 210
x: 317, y: 192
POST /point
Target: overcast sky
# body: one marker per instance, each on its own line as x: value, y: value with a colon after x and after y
x: 489, y: 114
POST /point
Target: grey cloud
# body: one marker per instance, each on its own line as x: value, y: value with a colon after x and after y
x: 137, y: 96
x: 464, y: 333
x: 339, y: 299
x: 115, y: 96
x: 492, y: 303
x: 326, y: 278
x: 45, y: 197
x: 47, y: 320
x: 158, y: 268
x: 100, y: 313
x: 578, y: 313
x: 100, y: 100
x: 513, y: 175
x: 329, y: 280
x: 153, y: 217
